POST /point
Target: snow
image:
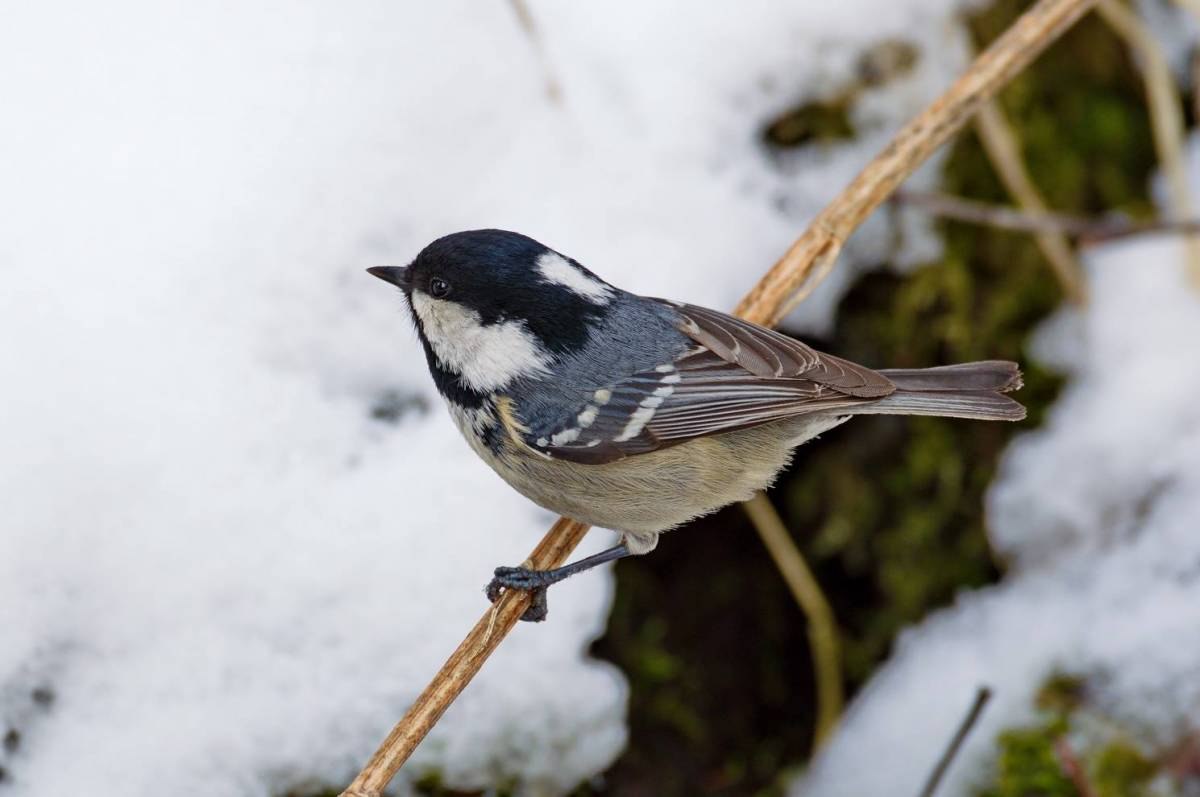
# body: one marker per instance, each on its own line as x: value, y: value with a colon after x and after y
x: 230, y: 578
x: 1096, y: 512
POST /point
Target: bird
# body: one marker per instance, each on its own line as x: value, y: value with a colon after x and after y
x: 634, y: 413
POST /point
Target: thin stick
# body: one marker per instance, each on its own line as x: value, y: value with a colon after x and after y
x: 964, y: 729
x: 809, y: 259
x: 1004, y: 152
x: 1072, y: 767
x: 822, y: 627
x: 1166, y: 117
x: 525, y: 17
x: 1087, y: 230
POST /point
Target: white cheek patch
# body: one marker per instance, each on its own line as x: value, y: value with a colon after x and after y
x: 557, y: 269
x: 486, y: 357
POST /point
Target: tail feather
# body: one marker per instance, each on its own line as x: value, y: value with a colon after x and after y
x: 966, y: 390
x: 981, y: 404
x: 1000, y: 375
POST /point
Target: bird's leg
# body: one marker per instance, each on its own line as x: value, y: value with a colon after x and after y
x: 536, y: 581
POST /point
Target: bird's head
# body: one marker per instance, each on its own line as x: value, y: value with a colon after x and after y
x: 493, y: 306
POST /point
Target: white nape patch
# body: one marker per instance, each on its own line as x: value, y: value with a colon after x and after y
x: 486, y: 358
x: 602, y: 396
x: 557, y: 269
x: 588, y: 416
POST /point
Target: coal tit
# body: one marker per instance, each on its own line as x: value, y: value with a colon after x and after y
x: 632, y: 413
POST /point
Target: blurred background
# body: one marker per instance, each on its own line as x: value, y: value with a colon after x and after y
x: 239, y: 532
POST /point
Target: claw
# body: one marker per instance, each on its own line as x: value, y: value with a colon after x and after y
x: 525, y: 580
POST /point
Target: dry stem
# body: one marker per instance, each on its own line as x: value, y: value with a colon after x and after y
x: 822, y: 627
x: 1005, y: 155
x: 802, y: 267
x: 1166, y: 117
x: 554, y: 91
x: 956, y: 742
x: 1087, y: 230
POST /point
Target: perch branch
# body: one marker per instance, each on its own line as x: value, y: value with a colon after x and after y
x: 1166, y: 117
x: 1087, y: 230
x: 822, y: 627
x: 805, y: 264
x: 964, y: 730
x: 1004, y: 153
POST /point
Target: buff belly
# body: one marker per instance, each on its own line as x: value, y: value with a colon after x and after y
x: 647, y: 494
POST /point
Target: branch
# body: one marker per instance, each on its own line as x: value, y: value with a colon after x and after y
x: 1005, y: 155
x: 822, y: 627
x: 1087, y: 230
x: 964, y: 729
x: 788, y: 281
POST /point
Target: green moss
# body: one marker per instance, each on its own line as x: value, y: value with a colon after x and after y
x: 1028, y: 765
x: 1120, y: 769
x: 1061, y: 693
x: 814, y: 121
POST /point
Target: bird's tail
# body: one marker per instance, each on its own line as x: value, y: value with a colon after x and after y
x: 967, y: 390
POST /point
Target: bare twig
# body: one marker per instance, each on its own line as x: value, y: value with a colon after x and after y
x: 822, y: 627
x: 1005, y: 155
x: 1072, y: 767
x: 1087, y: 230
x: 554, y: 90
x: 1166, y: 117
x: 964, y: 729
x: 804, y: 265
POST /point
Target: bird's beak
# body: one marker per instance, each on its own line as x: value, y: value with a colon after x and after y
x: 397, y: 275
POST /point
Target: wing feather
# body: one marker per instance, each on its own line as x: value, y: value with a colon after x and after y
x: 739, y: 375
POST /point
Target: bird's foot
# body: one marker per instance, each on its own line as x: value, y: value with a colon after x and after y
x: 522, y: 578
x: 536, y: 582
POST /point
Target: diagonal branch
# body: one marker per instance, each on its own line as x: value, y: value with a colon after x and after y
x: 791, y: 279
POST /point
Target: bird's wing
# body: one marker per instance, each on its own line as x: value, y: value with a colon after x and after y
x: 738, y: 375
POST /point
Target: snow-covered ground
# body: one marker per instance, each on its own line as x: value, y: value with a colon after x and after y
x: 1099, y: 514
x: 218, y: 574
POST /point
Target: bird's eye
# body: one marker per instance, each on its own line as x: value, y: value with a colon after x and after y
x: 438, y: 288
